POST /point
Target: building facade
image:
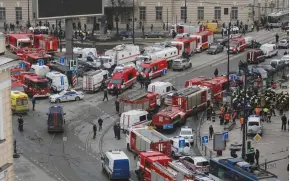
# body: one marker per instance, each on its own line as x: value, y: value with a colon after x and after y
x: 6, y: 137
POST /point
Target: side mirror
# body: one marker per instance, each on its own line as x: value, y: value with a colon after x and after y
x: 64, y: 113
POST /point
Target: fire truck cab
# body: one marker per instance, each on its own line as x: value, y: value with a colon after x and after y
x: 18, y: 41
x: 123, y: 79
x: 237, y: 45
x: 168, y: 118
x: 187, y: 45
x: 33, y: 58
x: 215, y: 89
x: 204, y: 40
x: 35, y: 85
x: 154, y: 69
x: 223, y: 80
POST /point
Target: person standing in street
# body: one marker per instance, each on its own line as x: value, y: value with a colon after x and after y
x: 211, y: 131
x: 115, y: 130
x: 100, y: 122
x: 272, y: 110
x: 95, y: 131
x: 284, y: 122
x: 105, y: 94
x: 20, y: 123
x: 194, y: 113
x: 257, y: 156
x: 216, y: 72
x: 33, y: 103
x: 277, y: 38
x: 118, y: 131
x: 242, y: 121
x: 116, y: 91
x: 117, y: 105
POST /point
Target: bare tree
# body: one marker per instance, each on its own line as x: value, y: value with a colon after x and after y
x: 118, y: 7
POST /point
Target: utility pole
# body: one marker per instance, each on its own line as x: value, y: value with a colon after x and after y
x: 185, y: 9
x: 28, y: 9
x: 266, y: 8
x: 253, y: 10
x: 278, y: 5
x: 133, y: 22
x: 167, y: 19
x: 228, y: 63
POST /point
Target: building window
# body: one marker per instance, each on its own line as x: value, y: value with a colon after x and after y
x: 226, y: 11
x: 2, y: 14
x: 142, y: 13
x: 158, y: 10
x: 234, y: 13
x: 125, y: 17
x: 2, y: 136
x: 90, y: 20
x: 182, y: 12
x: 18, y: 11
x: 200, y: 13
x: 217, y: 13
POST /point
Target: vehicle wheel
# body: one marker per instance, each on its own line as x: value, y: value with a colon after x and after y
x: 57, y: 101
x: 78, y: 98
x: 190, y: 65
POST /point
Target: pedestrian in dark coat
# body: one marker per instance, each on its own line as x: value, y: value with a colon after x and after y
x: 211, y: 131
x: 105, y: 94
x: 216, y: 72
x: 95, y: 131
x: 100, y: 122
x: 117, y: 105
x: 118, y: 131
x: 277, y: 37
x: 33, y: 101
x: 116, y: 91
x: 257, y: 156
x: 115, y: 130
x: 284, y: 122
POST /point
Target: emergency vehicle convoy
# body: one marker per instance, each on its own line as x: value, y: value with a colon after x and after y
x: 185, y: 44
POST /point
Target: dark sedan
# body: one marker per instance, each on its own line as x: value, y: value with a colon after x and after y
x: 254, y: 45
x: 154, y: 34
x: 221, y: 41
x: 214, y: 49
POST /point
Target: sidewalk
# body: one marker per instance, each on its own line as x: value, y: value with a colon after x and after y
x: 273, y: 145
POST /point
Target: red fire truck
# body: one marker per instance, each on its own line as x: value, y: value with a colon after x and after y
x: 215, y: 89
x: 195, y: 81
x: 48, y: 43
x: 187, y: 45
x: 191, y: 97
x: 16, y: 72
x: 168, y: 118
x: 16, y: 85
x: 154, y: 69
x: 34, y: 57
x: 16, y: 42
x: 223, y: 80
x: 146, y: 138
x: 144, y: 101
x: 35, y: 85
x: 204, y: 40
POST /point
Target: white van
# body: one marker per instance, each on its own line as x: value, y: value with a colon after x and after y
x: 269, y: 49
x: 161, y: 88
x: 58, y: 81
x: 248, y: 40
x: 92, y: 80
x: 254, y: 125
x: 40, y: 70
x: 132, y: 118
x: 179, y: 146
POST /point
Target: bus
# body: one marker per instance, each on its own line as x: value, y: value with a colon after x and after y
x: 236, y: 169
x: 276, y: 19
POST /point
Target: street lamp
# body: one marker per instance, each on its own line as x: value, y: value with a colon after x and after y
x: 228, y: 63
x: 133, y: 22
x: 28, y: 9
x: 185, y: 9
x: 244, y: 66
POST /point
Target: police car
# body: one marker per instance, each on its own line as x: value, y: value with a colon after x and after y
x: 67, y: 95
x: 187, y: 133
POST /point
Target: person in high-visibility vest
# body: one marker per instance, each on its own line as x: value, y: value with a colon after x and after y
x: 259, y: 81
x: 242, y: 121
x: 227, y: 117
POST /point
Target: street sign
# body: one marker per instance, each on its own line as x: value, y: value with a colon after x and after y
x: 41, y: 62
x: 22, y: 65
x: 225, y: 135
x: 168, y: 126
x: 164, y: 71
x: 64, y: 139
x: 181, y: 143
x: 61, y: 60
x: 233, y: 77
x: 204, y: 140
x: 257, y: 138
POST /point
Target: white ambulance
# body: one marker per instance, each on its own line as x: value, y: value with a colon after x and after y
x: 58, y: 81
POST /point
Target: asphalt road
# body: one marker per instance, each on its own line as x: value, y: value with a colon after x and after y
x: 78, y: 159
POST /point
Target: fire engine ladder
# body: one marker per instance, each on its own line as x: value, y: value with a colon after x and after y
x: 181, y: 168
x: 164, y: 170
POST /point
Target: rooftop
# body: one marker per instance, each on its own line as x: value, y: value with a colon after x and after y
x: 6, y: 63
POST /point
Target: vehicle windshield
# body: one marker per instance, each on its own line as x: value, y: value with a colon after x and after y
x: 25, y: 44
x: 176, y: 62
x: 62, y: 93
x: 40, y: 85
x: 283, y: 41
x: 232, y: 44
x: 186, y: 132
x: 116, y: 81
x: 213, y: 47
x: 253, y: 123
x: 19, y: 88
x: 202, y: 164
x: 146, y: 70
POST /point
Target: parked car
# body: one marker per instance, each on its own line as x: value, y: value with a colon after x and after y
x: 67, y: 95
x: 277, y: 64
x: 221, y: 41
x: 154, y: 34
x: 215, y: 49
x: 181, y: 64
x: 283, y: 44
x: 286, y: 59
